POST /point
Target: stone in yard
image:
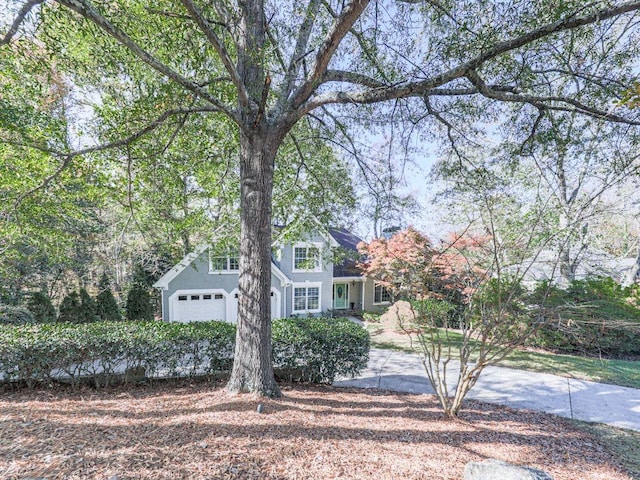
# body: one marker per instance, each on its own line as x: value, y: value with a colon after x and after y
x: 492, y: 469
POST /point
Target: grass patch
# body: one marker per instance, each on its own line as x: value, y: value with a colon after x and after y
x: 624, y: 444
x: 614, y: 372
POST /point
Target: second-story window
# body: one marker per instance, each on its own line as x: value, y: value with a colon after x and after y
x: 306, y: 257
x: 219, y: 262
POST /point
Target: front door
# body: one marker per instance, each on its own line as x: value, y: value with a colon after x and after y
x: 340, y: 295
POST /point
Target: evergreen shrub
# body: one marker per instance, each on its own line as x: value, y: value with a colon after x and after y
x: 39, y: 304
x: 139, y: 304
x: 102, y: 352
x: 14, y: 315
x: 87, y: 307
x: 106, y: 305
x: 70, y: 309
x: 319, y: 349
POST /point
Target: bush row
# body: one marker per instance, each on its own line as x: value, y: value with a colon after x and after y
x: 595, y: 316
x: 104, y: 353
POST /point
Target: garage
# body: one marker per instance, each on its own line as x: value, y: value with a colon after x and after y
x: 198, y: 305
x: 275, y: 305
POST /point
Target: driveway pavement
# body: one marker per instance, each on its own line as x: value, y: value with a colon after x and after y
x: 579, y: 399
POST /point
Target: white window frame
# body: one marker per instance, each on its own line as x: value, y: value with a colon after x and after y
x: 306, y: 245
x: 306, y: 286
x: 228, y: 258
x: 386, y: 302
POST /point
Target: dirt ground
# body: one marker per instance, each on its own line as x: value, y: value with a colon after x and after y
x: 181, y: 430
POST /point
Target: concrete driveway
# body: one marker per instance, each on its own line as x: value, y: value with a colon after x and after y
x: 579, y: 399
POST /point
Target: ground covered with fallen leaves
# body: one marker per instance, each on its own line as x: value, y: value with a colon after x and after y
x: 177, y: 430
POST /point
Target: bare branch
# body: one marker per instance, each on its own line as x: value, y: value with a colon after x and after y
x: 341, y: 27
x: 22, y: 15
x: 422, y: 87
x: 217, y: 44
x: 361, y: 41
x: 88, y: 11
x: 299, y: 51
x: 351, y: 77
x: 545, y: 102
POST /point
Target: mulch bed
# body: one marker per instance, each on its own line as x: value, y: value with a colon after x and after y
x: 182, y: 430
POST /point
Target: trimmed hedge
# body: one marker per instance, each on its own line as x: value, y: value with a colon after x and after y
x: 319, y: 349
x: 112, y: 352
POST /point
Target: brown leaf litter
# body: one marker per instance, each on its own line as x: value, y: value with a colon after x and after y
x: 175, y: 430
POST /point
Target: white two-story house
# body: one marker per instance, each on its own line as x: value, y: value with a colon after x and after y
x: 304, y: 281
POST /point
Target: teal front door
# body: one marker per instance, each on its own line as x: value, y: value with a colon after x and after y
x: 340, y: 295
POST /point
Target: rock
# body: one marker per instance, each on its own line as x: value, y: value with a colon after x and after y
x: 492, y: 469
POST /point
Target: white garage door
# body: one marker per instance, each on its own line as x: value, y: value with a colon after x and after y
x: 275, y: 305
x: 193, y: 307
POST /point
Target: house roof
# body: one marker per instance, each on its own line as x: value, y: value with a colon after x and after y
x: 345, y: 238
x: 349, y: 242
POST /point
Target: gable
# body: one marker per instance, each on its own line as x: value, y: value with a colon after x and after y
x: 193, y: 271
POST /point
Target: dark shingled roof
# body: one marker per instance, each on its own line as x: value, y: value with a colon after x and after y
x: 349, y: 242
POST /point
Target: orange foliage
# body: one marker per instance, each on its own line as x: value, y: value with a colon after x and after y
x: 411, y: 267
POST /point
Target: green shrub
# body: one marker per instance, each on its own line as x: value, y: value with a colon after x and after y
x: 139, y: 304
x: 14, y: 315
x: 590, y: 317
x: 70, y: 309
x: 103, y: 351
x: 39, y: 304
x: 87, y: 308
x: 319, y: 349
x: 106, y: 306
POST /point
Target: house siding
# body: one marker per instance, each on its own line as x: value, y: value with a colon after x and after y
x: 325, y: 277
x: 369, y: 306
x: 196, y: 276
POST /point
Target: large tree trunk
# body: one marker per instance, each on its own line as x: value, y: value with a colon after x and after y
x: 252, y: 366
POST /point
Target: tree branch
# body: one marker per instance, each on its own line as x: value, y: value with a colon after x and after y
x: 69, y: 156
x: 299, y: 52
x: 544, y: 102
x: 22, y: 15
x: 422, y: 87
x: 345, y: 76
x: 88, y: 11
x: 217, y: 44
x: 341, y: 27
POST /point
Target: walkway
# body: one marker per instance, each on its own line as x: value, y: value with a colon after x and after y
x: 579, y: 399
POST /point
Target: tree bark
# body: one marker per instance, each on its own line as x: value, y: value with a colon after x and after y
x: 252, y: 367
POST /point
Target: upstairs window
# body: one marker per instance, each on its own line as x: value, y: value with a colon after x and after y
x: 381, y: 294
x: 224, y: 263
x: 306, y: 258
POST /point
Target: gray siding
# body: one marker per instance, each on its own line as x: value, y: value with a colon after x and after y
x: 368, y: 298
x: 196, y: 276
x: 324, y: 277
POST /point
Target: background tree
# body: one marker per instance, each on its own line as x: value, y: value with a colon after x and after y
x: 265, y: 66
x: 40, y: 305
x: 70, y: 308
x: 138, y: 305
x: 106, y: 305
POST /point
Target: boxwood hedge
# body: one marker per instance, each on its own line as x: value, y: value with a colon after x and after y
x: 103, y: 353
